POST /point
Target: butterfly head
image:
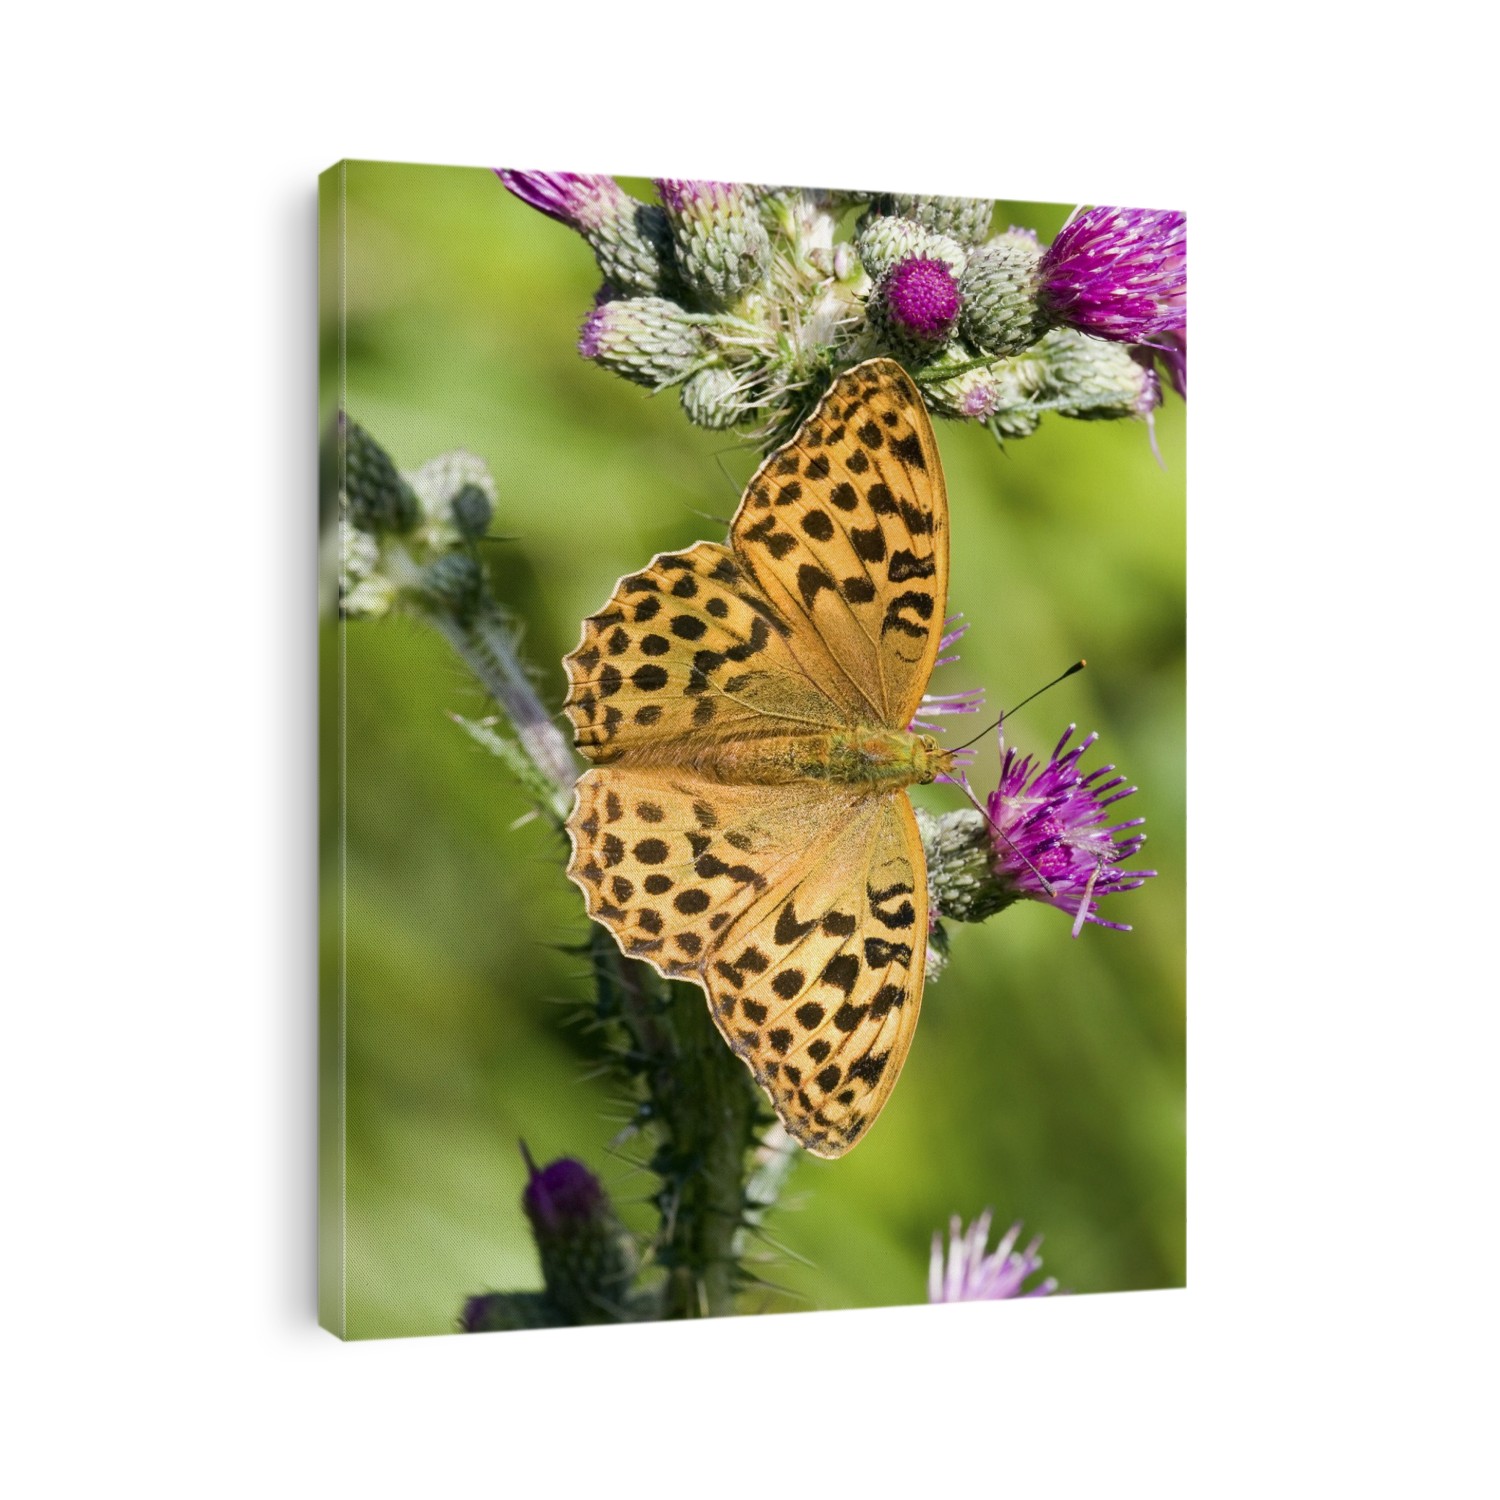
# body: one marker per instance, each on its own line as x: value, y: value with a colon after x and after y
x: 931, y: 760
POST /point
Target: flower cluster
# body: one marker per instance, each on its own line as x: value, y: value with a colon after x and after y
x: 746, y: 301
x: 969, y: 1274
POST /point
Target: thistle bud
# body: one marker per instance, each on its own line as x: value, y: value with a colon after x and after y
x: 472, y: 511
x: 646, y: 339
x: 588, y: 1258
x: 1006, y: 388
x: 630, y: 239
x: 1090, y: 379
x: 455, y: 582
x: 1001, y: 312
x: 964, y: 219
x: 365, y: 593
x: 496, y: 1312
x: 883, y: 242
x: 915, y: 307
x: 712, y: 398
x: 722, y: 249
x: 379, y: 498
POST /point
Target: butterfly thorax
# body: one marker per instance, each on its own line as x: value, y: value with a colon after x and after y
x: 870, y: 759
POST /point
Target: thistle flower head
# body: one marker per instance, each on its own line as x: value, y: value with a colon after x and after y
x: 720, y: 246
x: 581, y: 200
x: 649, y: 340
x: 884, y: 242
x: 587, y: 1256
x: 630, y: 239
x: 1048, y: 841
x: 969, y: 1274
x: 682, y: 196
x: 1168, y: 354
x: 1118, y: 273
x: 561, y: 1195
x: 920, y: 300
x: 935, y: 704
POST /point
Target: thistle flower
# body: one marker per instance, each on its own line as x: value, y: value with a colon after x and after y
x: 587, y: 1257
x: 935, y: 704
x: 916, y: 305
x: 722, y: 248
x: 649, y: 340
x: 1118, y: 273
x: 630, y: 239
x: 971, y: 1275
x: 1168, y: 355
x: 883, y: 242
x: 1047, y: 839
x: 1040, y: 837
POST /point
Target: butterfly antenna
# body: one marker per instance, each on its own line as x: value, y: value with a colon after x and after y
x: 1077, y: 666
x: 968, y: 791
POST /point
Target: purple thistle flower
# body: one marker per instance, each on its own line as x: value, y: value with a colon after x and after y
x: 1118, y: 273
x: 477, y: 1311
x: 967, y: 702
x: 581, y: 200
x: 921, y: 299
x: 971, y: 1275
x: 591, y: 335
x: 1168, y: 353
x: 1049, y: 845
x: 629, y: 238
x: 682, y: 195
x: 564, y: 1193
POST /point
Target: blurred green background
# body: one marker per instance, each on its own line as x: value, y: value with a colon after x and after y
x: 1046, y: 1077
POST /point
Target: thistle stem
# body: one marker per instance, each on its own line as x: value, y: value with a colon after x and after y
x: 486, y: 649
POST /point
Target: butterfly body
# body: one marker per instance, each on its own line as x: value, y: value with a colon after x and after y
x: 747, y: 710
x: 868, y: 757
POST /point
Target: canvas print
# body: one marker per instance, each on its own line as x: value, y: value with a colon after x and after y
x: 752, y: 668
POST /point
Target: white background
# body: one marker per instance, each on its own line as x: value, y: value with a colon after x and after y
x: 158, y: 353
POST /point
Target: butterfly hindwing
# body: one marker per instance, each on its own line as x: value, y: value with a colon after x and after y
x: 803, y: 917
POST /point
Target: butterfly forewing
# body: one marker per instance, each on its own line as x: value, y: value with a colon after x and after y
x: 846, y: 531
x: 685, y: 650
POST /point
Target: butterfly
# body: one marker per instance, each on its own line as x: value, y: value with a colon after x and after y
x: 744, y: 824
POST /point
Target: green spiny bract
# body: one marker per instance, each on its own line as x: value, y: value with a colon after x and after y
x: 649, y: 340
x: 379, y: 498
x: 722, y: 248
x: 1001, y: 313
x: 964, y: 219
x: 1092, y: 380
x: 884, y: 242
